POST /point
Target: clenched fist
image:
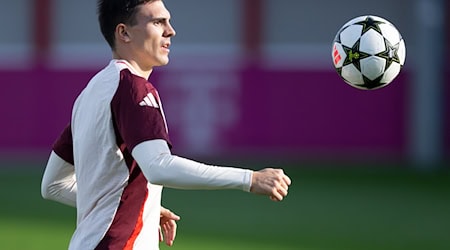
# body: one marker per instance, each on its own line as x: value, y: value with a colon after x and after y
x: 271, y: 182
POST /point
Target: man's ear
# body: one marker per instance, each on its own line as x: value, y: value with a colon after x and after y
x: 121, y: 33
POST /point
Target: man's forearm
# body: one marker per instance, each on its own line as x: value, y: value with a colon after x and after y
x: 59, y: 182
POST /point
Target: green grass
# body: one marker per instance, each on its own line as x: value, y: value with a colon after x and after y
x: 327, y: 209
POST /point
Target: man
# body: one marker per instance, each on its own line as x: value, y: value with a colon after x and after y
x: 113, y: 159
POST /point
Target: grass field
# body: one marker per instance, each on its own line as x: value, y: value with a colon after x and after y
x: 327, y: 209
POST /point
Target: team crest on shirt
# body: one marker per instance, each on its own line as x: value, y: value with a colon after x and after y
x: 150, y: 101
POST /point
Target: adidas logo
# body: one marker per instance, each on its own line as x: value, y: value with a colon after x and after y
x: 149, y: 101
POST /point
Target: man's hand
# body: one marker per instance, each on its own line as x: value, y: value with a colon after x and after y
x: 271, y: 182
x: 168, y: 226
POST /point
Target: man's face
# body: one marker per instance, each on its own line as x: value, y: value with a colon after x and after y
x: 150, y: 35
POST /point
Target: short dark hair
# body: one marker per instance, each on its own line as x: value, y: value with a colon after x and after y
x: 113, y: 12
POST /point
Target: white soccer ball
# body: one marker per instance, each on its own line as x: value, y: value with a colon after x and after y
x: 368, y: 52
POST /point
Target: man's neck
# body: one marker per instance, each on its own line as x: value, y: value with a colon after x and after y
x: 145, y: 73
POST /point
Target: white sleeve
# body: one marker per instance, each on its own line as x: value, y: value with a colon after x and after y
x: 59, y: 182
x: 162, y: 168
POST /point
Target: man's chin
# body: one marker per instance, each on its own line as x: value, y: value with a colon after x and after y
x: 163, y: 62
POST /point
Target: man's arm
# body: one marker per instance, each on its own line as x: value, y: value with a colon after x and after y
x: 59, y: 182
x: 161, y: 167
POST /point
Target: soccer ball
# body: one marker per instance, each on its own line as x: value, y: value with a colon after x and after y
x: 368, y: 52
